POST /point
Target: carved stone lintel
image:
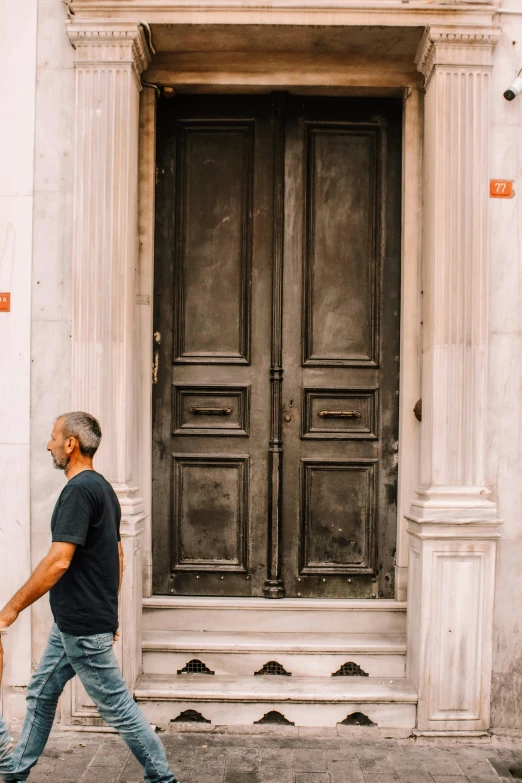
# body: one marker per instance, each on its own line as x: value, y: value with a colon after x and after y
x: 455, y: 46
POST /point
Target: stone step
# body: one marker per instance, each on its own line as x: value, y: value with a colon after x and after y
x: 301, y: 654
x: 286, y: 615
x: 303, y: 701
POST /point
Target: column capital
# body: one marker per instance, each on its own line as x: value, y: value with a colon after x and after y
x: 456, y: 45
x: 110, y: 43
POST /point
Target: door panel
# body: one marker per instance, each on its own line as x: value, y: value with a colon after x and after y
x: 276, y: 346
x: 211, y: 512
x: 211, y: 410
x: 340, y: 255
x: 215, y: 185
x: 211, y: 396
x: 340, y: 359
x: 338, y: 510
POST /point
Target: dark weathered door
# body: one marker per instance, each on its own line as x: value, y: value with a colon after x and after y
x: 341, y: 347
x: 211, y: 393
x: 276, y: 346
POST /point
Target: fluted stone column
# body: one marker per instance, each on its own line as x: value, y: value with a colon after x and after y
x: 110, y: 57
x: 453, y: 521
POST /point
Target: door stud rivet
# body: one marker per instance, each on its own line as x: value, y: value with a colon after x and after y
x: 299, y: 595
x: 349, y: 581
x: 221, y: 577
x: 323, y: 580
x: 298, y: 578
x: 197, y: 577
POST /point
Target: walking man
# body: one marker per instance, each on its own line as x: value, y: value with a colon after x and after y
x: 82, y: 572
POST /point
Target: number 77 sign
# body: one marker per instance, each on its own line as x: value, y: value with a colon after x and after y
x: 501, y: 188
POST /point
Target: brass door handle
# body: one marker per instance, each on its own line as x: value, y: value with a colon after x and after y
x: 339, y: 414
x: 210, y: 411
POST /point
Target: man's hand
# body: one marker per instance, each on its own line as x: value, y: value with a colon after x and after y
x: 50, y: 570
x: 7, y: 617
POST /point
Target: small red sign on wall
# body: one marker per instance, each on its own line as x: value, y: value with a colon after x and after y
x: 501, y: 188
x: 5, y: 303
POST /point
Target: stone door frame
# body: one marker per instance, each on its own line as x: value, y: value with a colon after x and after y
x: 448, y: 526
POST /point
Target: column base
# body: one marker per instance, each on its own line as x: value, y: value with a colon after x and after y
x: 450, y: 620
x: 452, y: 503
x: 464, y: 734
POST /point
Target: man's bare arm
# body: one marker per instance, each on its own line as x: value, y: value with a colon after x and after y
x: 48, y: 572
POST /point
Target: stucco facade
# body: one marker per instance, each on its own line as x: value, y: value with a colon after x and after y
x: 77, y: 258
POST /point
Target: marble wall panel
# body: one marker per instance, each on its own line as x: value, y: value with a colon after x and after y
x: 17, y: 66
x: 17, y: 98
x: 505, y: 376
x: 53, y: 152
x: 15, y: 327
x: 51, y: 279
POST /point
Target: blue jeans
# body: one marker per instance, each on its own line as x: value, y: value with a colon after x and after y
x: 93, y: 660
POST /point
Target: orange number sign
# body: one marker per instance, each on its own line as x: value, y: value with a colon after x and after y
x: 501, y: 188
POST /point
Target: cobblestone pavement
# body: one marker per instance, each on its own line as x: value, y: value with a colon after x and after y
x: 311, y: 757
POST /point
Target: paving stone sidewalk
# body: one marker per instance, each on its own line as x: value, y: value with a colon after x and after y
x: 317, y: 757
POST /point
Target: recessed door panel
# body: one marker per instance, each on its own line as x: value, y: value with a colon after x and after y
x: 215, y: 181
x: 342, y: 414
x: 211, y: 410
x: 337, y: 517
x: 211, y: 512
x: 340, y: 253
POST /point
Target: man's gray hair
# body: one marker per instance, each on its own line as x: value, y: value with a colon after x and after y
x: 85, y: 428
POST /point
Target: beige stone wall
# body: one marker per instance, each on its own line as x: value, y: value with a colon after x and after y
x: 505, y: 375
x: 42, y: 201
x: 17, y: 99
x: 51, y: 278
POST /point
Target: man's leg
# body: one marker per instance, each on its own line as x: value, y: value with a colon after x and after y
x: 43, y: 693
x: 95, y: 664
x: 6, y: 749
x: 6, y: 741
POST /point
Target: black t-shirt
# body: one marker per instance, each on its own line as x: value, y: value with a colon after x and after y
x: 85, y: 600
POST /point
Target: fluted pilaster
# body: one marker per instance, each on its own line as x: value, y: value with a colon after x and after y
x: 456, y: 64
x: 453, y: 525
x: 109, y: 59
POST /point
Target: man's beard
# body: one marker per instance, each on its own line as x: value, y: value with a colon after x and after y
x: 61, y: 461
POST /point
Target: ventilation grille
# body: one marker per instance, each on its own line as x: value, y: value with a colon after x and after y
x: 350, y: 669
x: 195, y: 667
x: 357, y: 719
x: 190, y: 716
x: 274, y: 668
x: 274, y: 717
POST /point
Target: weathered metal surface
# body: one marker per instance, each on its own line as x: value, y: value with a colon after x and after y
x: 277, y: 300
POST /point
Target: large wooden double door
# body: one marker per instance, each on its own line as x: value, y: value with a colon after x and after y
x: 276, y: 346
